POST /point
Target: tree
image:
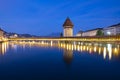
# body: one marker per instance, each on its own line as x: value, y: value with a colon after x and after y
x: 99, y: 33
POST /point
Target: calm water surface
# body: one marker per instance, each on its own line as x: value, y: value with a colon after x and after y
x: 51, y: 61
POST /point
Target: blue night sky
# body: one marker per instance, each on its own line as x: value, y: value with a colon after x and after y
x: 43, y: 17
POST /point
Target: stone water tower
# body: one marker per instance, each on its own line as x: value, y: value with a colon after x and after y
x: 68, y: 28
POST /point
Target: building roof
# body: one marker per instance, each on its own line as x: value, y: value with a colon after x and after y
x: 116, y: 25
x: 80, y: 31
x: 94, y: 29
x: 68, y: 22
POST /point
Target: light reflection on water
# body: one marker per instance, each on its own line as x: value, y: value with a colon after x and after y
x: 3, y: 47
x: 35, y: 62
x: 106, y: 49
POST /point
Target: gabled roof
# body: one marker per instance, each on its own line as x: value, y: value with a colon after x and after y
x: 94, y: 29
x: 116, y: 25
x: 68, y: 22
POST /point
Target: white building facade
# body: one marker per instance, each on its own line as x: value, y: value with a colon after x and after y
x: 92, y: 32
x: 68, y: 32
x: 112, y: 30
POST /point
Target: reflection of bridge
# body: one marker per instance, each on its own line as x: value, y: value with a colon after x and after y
x: 102, y: 48
x: 97, y: 39
x: 107, y: 50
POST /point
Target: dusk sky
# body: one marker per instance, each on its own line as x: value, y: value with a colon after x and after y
x: 43, y: 17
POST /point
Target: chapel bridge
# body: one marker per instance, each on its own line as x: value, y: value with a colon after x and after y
x: 69, y: 39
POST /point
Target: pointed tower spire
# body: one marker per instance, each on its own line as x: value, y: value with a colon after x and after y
x: 68, y: 23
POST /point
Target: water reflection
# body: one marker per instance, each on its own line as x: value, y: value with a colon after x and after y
x: 109, y: 47
x: 68, y: 56
x: 3, y: 48
x: 104, y: 53
x: 108, y: 50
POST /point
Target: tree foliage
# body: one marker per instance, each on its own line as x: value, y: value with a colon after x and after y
x: 99, y: 33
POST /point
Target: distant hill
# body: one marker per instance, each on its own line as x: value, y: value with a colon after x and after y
x: 8, y: 34
x: 58, y: 34
x: 26, y: 35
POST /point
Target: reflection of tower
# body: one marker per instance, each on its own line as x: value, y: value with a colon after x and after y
x: 68, y: 28
x: 68, y: 56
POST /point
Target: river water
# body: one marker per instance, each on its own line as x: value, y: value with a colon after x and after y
x: 59, y: 61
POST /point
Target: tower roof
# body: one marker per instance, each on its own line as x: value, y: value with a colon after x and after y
x: 68, y: 22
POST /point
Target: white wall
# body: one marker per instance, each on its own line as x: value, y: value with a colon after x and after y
x: 90, y: 33
x: 110, y: 31
x: 68, y: 32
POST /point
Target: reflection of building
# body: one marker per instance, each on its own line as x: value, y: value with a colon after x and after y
x: 68, y: 28
x: 68, y: 56
x: 112, y: 30
x: 92, y: 32
x: 106, y: 50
